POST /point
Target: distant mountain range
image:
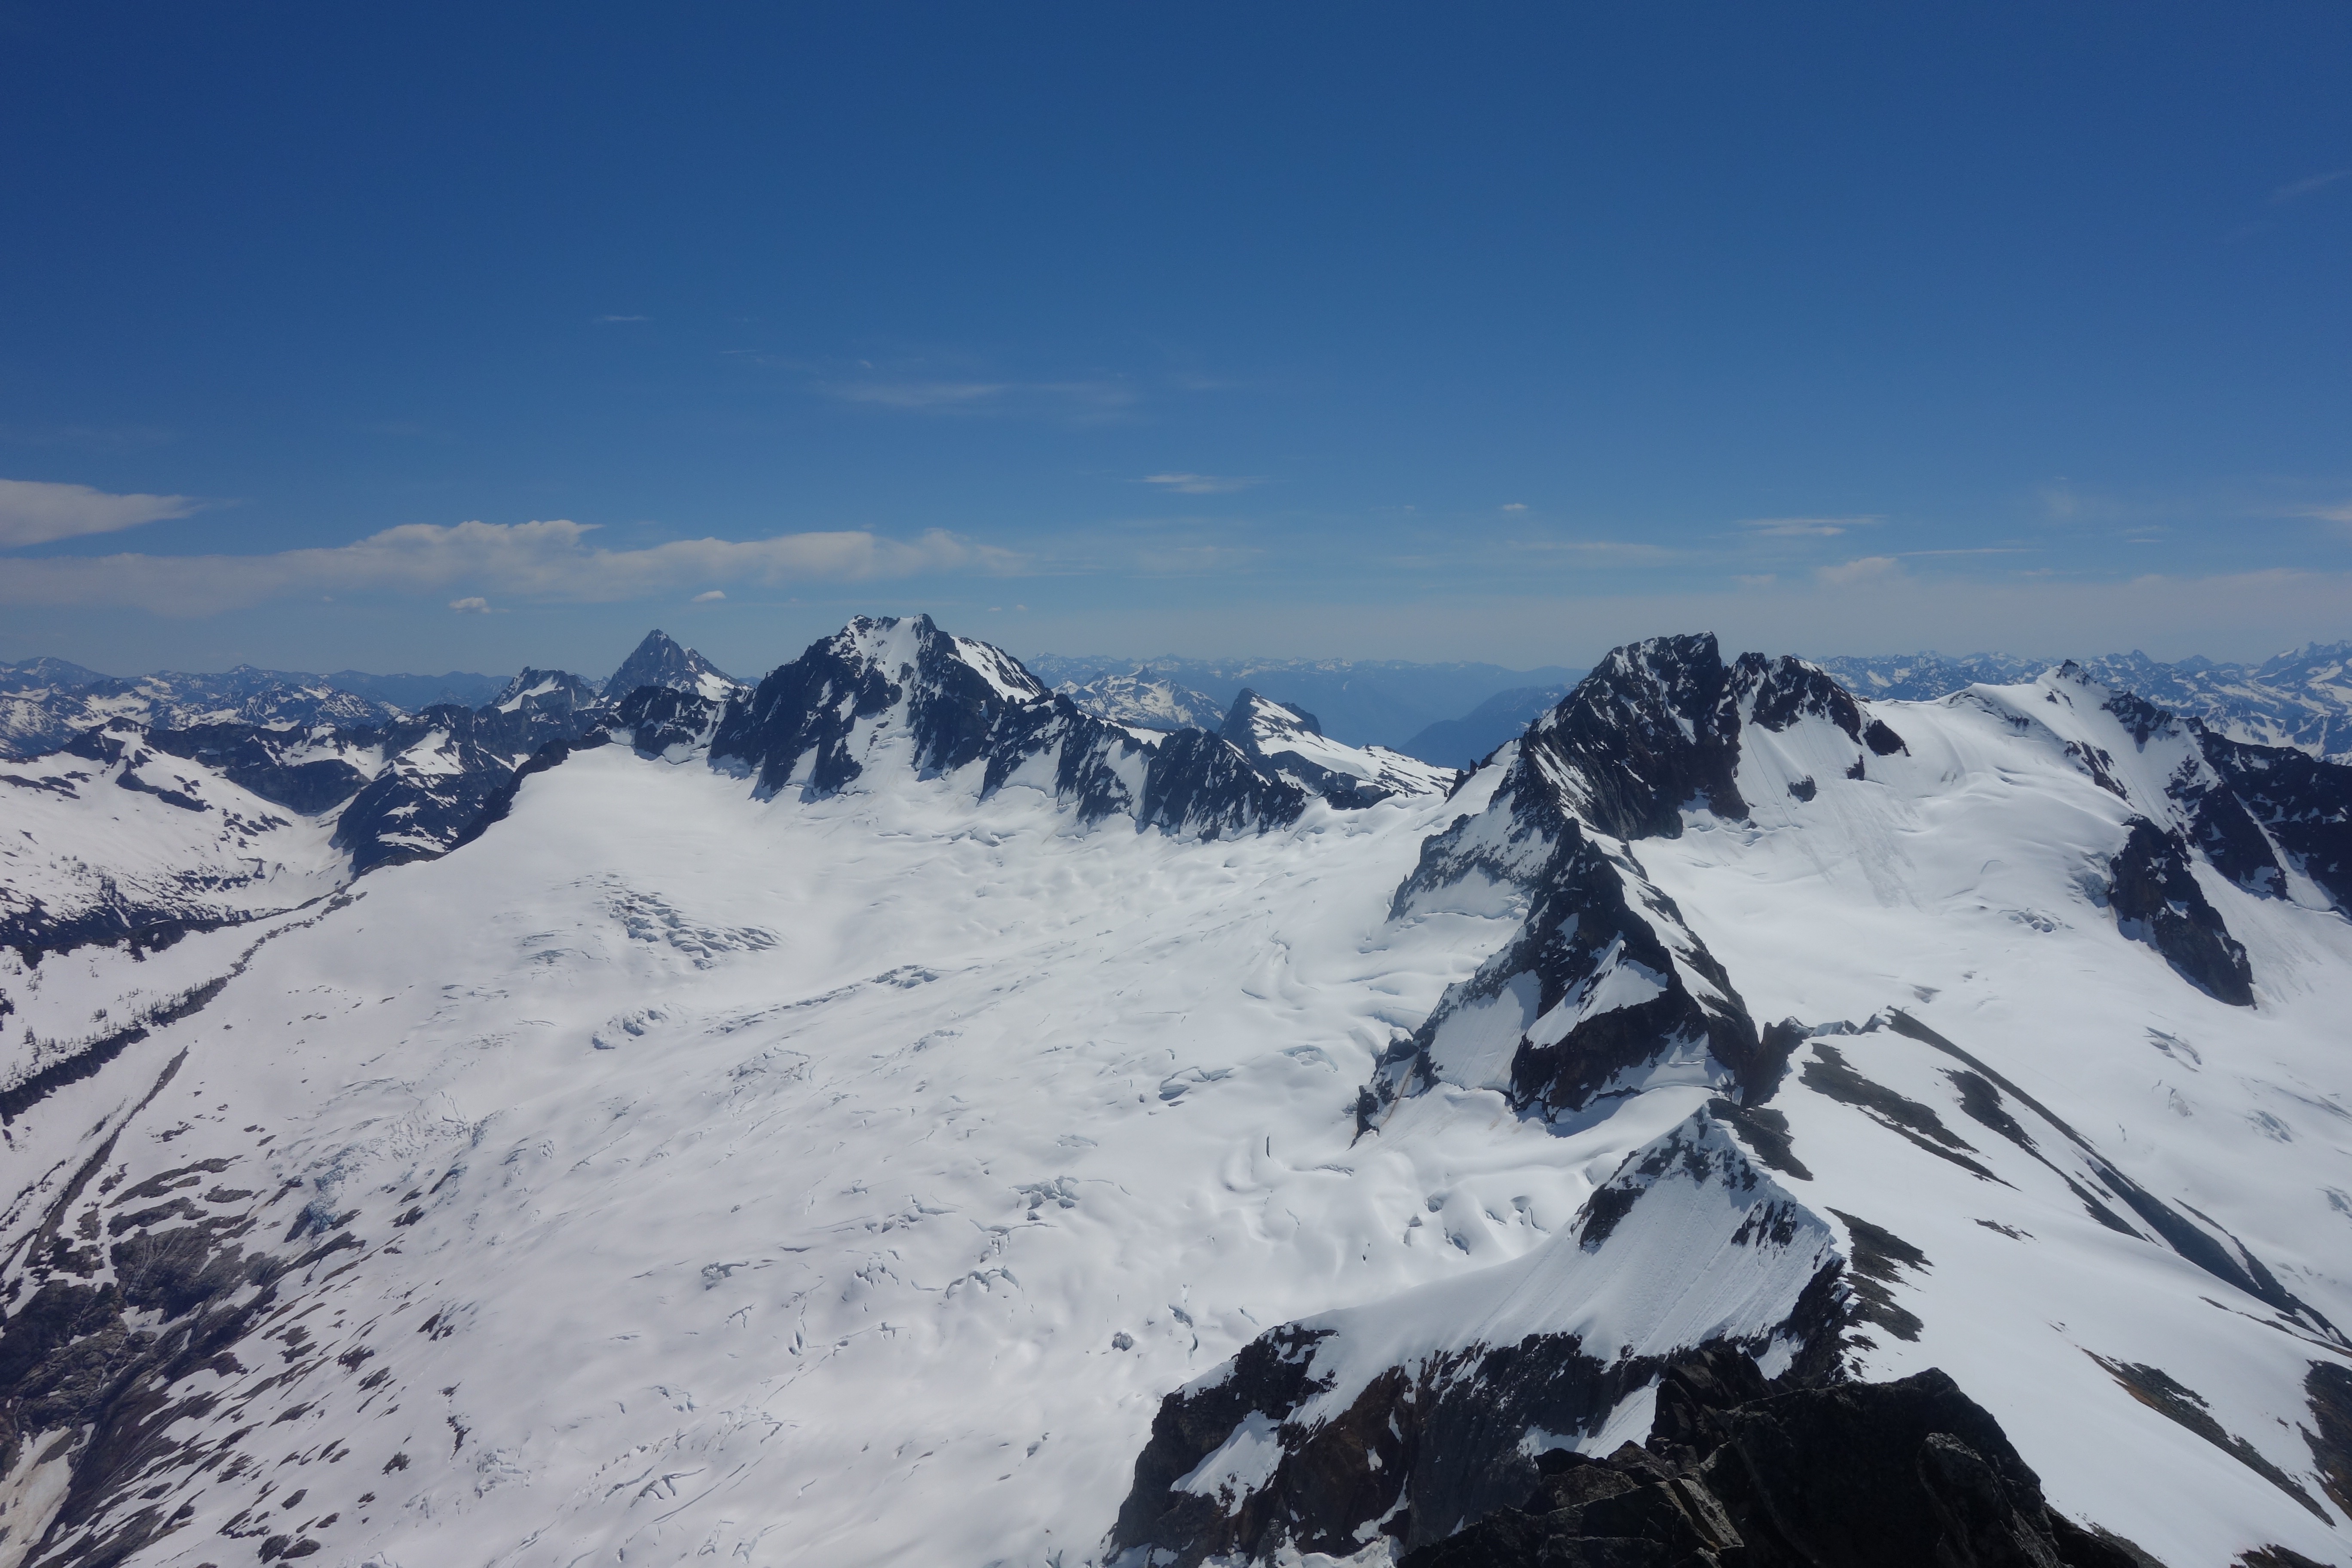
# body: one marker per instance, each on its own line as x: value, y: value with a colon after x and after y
x: 45, y: 702
x: 892, y: 1114
x: 2301, y: 698
x: 1365, y: 702
x: 1449, y: 714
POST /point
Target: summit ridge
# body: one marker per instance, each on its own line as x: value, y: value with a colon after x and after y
x: 851, y: 1093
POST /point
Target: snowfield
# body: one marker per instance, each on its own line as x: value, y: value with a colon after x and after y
x: 689, y: 1166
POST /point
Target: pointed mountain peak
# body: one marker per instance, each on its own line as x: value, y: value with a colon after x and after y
x: 1255, y: 722
x: 662, y: 660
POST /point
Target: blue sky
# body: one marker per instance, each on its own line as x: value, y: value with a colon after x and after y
x: 433, y: 337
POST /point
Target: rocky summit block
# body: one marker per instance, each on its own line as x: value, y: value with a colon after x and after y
x: 1848, y: 1476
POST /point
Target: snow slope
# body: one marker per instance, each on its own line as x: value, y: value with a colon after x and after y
x: 2301, y: 697
x: 834, y: 1126
x: 808, y: 1162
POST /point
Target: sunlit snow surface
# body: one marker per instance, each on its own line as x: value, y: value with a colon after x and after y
x: 846, y: 1182
x: 912, y: 1106
x: 1951, y: 883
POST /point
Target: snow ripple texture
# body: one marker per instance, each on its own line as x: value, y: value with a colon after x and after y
x: 687, y: 1168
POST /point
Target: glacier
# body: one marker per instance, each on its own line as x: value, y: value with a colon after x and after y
x: 886, y: 1113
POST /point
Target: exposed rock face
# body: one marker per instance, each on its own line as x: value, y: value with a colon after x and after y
x: 1606, y: 984
x: 2157, y: 900
x: 94, y: 1377
x: 2302, y: 803
x: 288, y: 768
x: 445, y: 764
x: 1603, y: 981
x: 1652, y: 729
x: 1203, y: 784
x: 661, y: 660
x: 407, y: 789
x: 812, y: 724
x: 1287, y: 743
x: 2329, y: 1435
x: 1416, y: 1415
x: 1848, y: 1476
x: 795, y: 732
x: 667, y: 722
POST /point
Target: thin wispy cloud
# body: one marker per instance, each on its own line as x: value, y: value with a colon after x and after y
x: 920, y: 394
x: 1593, y: 549
x: 1203, y: 484
x: 1515, y: 506
x: 1864, y: 569
x: 2342, y: 513
x: 1806, y: 527
x: 602, y: 320
x: 712, y: 598
x: 2061, y: 503
x: 473, y: 604
x: 554, y: 561
x: 1085, y: 400
x: 34, y: 512
x: 2309, y: 185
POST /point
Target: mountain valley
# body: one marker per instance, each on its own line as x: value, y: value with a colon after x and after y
x: 891, y: 1113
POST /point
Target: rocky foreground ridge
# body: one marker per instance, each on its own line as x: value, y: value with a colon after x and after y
x: 1682, y: 1139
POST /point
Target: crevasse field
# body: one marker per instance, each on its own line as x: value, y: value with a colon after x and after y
x: 847, y: 1180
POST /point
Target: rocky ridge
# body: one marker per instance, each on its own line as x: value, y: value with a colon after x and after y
x: 1707, y: 1292
x: 1326, y: 1435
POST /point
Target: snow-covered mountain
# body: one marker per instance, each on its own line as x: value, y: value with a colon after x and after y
x: 1289, y: 744
x: 1360, y: 701
x: 1144, y: 699
x: 661, y: 660
x: 896, y: 1115
x: 2301, y: 698
x: 220, y: 822
x: 45, y: 702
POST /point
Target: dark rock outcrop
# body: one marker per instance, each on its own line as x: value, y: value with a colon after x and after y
x: 2301, y: 802
x: 1302, y: 1445
x: 1611, y: 974
x: 1652, y: 729
x: 1847, y: 1476
x: 794, y: 730
x: 1605, y: 972
x: 1203, y: 783
x: 96, y: 1376
x: 2329, y: 1386
x: 1582, y: 931
x: 962, y: 702
x: 662, y: 661
x: 2156, y: 899
x: 264, y: 762
x: 665, y: 721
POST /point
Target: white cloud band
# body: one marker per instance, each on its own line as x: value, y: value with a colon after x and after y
x: 33, y: 512
x: 547, y: 561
